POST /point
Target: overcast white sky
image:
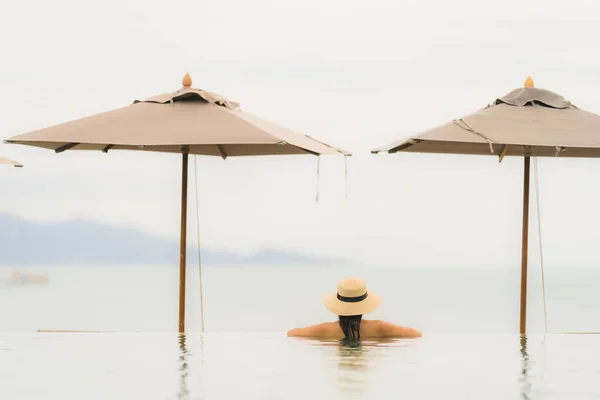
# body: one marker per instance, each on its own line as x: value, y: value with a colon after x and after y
x: 355, y: 74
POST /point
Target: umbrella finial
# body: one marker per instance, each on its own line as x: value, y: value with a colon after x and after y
x: 187, y: 80
x: 528, y: 82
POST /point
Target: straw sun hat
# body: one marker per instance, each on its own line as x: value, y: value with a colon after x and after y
x: 351, y: 298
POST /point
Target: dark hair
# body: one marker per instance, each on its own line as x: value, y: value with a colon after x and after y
x: 351, y: 326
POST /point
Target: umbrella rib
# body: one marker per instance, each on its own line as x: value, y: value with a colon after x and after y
x: 107, y: 148
x: 501, y: 157
x: 405, y: 145
x: 221, y: 151
x: 65, y: 147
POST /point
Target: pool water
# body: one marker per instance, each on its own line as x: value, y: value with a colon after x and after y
x: 468, y: 316
x: 272, y: 366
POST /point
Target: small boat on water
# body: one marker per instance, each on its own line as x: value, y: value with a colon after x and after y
x: 20, y: 278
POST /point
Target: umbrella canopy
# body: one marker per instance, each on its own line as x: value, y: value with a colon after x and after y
x: 527, y: 122
x: 188, y: 121
x: 196, y: 120
x: 6, y: 161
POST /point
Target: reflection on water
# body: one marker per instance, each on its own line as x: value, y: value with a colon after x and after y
x: 188, y: 375
x: 183, y: 368
x: 524, y: 380
x: 352, y: 364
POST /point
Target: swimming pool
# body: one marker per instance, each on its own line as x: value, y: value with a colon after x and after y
x: 272, y: 366
x: 468, y: 317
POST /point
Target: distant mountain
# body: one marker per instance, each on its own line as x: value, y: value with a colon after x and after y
x: 83, y: 242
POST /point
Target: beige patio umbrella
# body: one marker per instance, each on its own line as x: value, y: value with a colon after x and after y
x: 188, y: 121
x: 6, y: 161
x: 527, y: 122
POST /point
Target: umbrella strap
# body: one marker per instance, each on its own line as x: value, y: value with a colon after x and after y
x: 198, y: 245
x: 539, y: 220
x: 468, y: 128
x: 318, y: 176
x: 346, y: 175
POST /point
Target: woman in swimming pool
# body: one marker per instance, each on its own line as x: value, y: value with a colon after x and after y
x: 350, y: 303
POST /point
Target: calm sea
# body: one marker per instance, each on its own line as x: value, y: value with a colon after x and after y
x: 469, y: 351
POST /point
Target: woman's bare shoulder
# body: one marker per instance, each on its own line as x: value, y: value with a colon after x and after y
x: 387, y: 329
x: 325, y: 329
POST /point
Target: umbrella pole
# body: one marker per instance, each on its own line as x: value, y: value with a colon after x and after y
x: 525, y: 246
x: 182, y: 248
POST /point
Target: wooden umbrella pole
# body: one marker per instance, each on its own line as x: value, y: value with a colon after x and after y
x: 524, y: 249
x: 182, y: 249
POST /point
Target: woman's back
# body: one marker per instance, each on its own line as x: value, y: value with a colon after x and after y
x: 369, y: 329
